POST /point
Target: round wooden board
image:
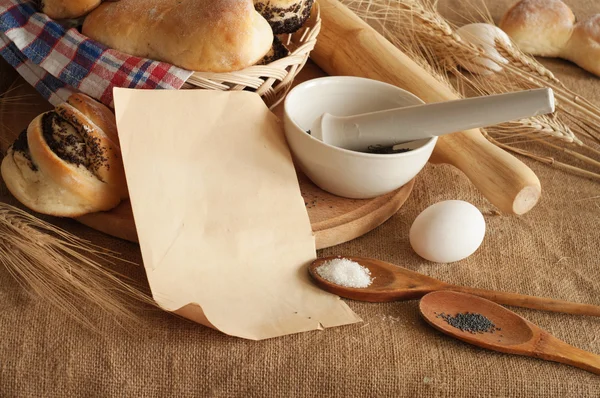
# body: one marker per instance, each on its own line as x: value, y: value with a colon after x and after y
x: 334, y: 219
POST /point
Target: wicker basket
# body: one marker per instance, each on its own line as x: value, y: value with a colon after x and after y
x: 271, y: 81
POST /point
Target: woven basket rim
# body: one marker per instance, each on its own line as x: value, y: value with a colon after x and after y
x: 271, y: 81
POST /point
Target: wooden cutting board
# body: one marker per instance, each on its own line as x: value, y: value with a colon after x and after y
x: 334, y: 219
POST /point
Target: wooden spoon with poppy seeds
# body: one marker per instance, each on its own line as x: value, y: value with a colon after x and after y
x: 488, y: 325
x: 393, y: 283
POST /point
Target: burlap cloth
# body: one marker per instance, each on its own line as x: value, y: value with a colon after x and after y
x: 551, y: 251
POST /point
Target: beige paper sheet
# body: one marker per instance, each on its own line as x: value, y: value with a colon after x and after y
x: 223, y: 229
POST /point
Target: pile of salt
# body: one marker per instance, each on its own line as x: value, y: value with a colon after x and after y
x: 345, y: 272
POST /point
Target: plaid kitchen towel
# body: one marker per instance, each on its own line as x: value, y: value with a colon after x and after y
x: 58, y: 61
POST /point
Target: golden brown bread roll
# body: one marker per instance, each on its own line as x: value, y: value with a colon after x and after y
x: 539, y: 27
x: 285, y: 16
x: 199, y: 35
x: 98, y: 114
x: 547, y: 28
x: 63, y: 164
x: 62, y: 9
x: 583, y: 47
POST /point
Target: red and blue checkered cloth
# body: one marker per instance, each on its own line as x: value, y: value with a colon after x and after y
x: 58, y: 62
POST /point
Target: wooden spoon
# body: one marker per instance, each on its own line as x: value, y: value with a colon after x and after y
x: 516, y: 335
x: 392, y: 283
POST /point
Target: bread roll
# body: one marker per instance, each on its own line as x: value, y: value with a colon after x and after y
x: 539, y: 27
x: 547, y: 28
x: 98, y: 114
x: 64, y: 164
x: 199, y: 35
x: 62, y: 9
x: 278, y: 51
x: 583, y: 48
x: 285, y: 16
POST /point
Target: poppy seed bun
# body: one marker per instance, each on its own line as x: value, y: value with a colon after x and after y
x: 65, y: 165
x: 285, y: 16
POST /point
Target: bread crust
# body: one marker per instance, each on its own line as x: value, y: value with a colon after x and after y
x: 539, y: 27
x: 103, y: 154
x: 583, y: 47
x: 278, y: 51
x: 97, y: 113
x: 63, y: 9
x: 65, y: 165
x: 547, y: 28
x: 284, y: 16
x: 198, y: 35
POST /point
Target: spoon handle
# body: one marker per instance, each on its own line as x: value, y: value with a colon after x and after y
x: 552, y: 349
x: 536, y: 303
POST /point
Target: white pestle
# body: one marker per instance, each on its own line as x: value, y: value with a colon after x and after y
x: 396, y: 126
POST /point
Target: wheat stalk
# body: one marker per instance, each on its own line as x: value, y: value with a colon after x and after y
x: 8, y: 98
x: 544, y: 159
x: 64, y: 270
x: 418, y: 29
x: 530, y: 71
x: 546, y: 126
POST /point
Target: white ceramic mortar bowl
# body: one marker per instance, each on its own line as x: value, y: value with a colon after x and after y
x: 339, y: 171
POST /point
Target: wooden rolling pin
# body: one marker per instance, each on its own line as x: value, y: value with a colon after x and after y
x: 349, y: 46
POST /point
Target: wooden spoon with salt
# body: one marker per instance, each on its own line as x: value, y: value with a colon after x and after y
x: 394, y: 283
x: 509, y: 333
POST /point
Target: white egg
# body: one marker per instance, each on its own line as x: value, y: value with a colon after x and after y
x: 447, y: 231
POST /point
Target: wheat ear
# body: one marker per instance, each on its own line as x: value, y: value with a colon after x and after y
x: 64, y: 270
x: 417, y: 28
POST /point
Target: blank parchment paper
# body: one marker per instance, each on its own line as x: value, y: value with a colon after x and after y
x: 223, y: 229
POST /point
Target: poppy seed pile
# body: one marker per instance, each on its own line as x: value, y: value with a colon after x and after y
x: 469, y: 322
